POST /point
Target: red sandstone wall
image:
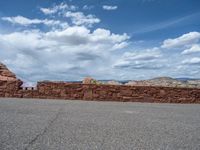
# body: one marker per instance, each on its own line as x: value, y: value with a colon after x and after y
x: 10, y: 88
x: 60, y: 90
x: 118, y: 93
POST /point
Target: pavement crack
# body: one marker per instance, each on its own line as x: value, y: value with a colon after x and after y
x: 44, y: 130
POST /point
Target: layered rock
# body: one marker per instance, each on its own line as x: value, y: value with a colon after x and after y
x: 105, y: 92
x: 6, y: 74
x: 9, y: 84
x: 89, y: 80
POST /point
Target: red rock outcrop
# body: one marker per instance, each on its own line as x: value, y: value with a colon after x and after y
x: 90, y: 80
x: 9, y: 84
x: 6, y: 74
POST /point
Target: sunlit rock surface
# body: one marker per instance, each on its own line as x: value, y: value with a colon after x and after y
x: 6, y: 74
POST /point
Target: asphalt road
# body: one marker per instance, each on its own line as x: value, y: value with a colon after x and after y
x: 66, y: 125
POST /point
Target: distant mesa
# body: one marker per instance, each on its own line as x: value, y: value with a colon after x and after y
x: 90, y: 80
x: 112, y: 82
x: 159, y: 81
x: 166, y: 82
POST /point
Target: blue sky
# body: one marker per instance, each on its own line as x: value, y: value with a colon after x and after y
x: 105, y: 39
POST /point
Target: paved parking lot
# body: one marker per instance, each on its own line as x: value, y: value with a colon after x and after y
x: 66, y: 125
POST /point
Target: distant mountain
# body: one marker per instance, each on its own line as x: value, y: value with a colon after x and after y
x: 186, y: 79
x: 120, y: 81
x: 159, y: 81
x: 167, y: 82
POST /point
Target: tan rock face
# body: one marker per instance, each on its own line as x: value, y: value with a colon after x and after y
x: 3, y: 78
x: 89, y: 80
x: 4, y: 71
x: 6, y: 74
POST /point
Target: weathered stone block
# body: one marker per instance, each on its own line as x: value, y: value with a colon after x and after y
x: 88, y: 94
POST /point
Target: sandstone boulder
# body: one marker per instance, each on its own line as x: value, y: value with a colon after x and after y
x: 89, y: 80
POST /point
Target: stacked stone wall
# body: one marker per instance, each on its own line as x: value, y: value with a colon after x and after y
x: 121, y: 93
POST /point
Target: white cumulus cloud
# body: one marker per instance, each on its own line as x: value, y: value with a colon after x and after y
x: 186, y: 39
x: 26, y: 21
x: 192, y: 61
x: 72, y: 48
x: 78, y: 18
x: 194, y: 49
x: 67, y: 54
x: 109, y: 7
x: 145, y: 59
x: 58, y: 8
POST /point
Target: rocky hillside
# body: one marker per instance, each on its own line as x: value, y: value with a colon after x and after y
x: 6, y: 74
x: 166, y: 82
x: 160, y: 81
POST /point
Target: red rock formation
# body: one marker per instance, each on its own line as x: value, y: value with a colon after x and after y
x: 122, y: 93
x: 89, y: 80
x: 9, y: 84
x: 6, y: 74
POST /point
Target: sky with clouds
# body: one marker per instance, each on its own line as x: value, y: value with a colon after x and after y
x: 106, y: 39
